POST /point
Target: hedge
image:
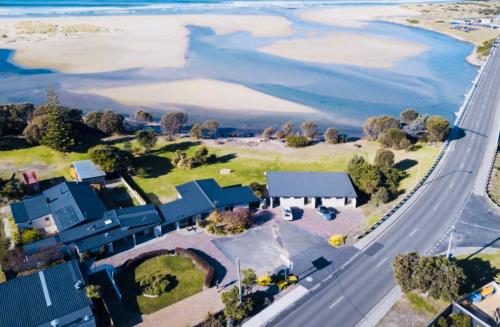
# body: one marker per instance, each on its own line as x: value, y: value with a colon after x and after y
x: 143, y: 257
x: 201, y: 263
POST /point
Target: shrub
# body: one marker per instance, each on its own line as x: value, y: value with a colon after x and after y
x: 264, y: 280
x: 260, y: 190
x: 267, y: 133
x: 384, y: 157
x: 282, y: 284
x: 392, y: 138
x: 331, y: 135
x: 309, y: 129
x: 337, y: 240
x: 29, y: 236
x: 296, y: 141
x: 375, y: 126
x: 405, y: 144
x: 381, y: 196
x: 232, y: 307
x: 93, y: 291
x: 110, y: 158
x: 460, y: 320
x: 408, y: 115
x: 438, y: 128
x: 14, y: 231
x: 155, y: 284
x: 280, y: 134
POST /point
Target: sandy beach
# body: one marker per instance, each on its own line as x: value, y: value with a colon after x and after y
x: 119, y: 42
x: 347, y: 49
x: 204, y: 93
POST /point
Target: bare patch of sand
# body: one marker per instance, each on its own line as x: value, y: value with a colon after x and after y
x: 205, y: 93
x: 347, y: 48
x: 355, y: 17
x: 120, y: 42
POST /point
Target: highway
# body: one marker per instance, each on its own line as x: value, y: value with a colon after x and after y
x: 347, y: 297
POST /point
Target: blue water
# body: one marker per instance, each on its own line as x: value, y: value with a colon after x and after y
x: 432, y: 83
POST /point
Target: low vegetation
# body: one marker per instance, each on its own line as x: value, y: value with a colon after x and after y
x: 229, y: 222
x: 485, y: 48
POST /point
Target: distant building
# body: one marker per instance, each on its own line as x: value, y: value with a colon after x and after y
x: 197, y: 199
x: 310, y: 189
x: 88, y: 172
x: 52, y: 297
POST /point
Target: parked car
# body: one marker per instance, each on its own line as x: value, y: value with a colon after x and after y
x: 325, y: 213
x: 287, y: 213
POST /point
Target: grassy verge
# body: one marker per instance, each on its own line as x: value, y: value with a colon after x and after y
x: 188, y: 281
x: 421, y: 304
x: 494, y: 188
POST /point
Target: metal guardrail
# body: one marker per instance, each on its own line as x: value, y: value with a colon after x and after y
x: 457, y: 122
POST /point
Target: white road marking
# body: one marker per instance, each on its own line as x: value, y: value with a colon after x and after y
x: 479, y: 226
x: 468, y: 150
x: 435, y: 207
x: 451, y: 185
x: 414, y: 231
x: 381, y: 262
x: 462, y: 166
x: 336, y: 302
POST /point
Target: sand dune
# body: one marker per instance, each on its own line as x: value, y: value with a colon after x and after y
x: 211, y: 94
x: 354, y: 17
x: 121, y: 42
x: 347, y: 48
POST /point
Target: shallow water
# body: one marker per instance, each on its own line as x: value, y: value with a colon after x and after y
x: 345, y: 96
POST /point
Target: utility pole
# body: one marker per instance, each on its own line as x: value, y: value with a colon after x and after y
x: 239, y: 278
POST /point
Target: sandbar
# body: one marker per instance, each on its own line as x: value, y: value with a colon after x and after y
x: 203, y: 93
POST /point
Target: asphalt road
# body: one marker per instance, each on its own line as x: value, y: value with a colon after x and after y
x: 347, y: 297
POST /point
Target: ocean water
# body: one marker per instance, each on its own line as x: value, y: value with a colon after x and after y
x: 433, y: 83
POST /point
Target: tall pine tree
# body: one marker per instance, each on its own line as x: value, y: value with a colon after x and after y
x: 58, y: 135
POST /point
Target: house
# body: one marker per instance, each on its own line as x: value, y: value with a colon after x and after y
x: 52, y: 297
x: 115, y: 227
x: 86, y: 171
x: 197, y: 199
x: 58, y: 208
x: 303, y: 189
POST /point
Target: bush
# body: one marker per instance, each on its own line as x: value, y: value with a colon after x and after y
x: 110, y: 158
x: 460, y: 320
x: 264, y: 280
x: 331, y: 135
x: 381, y: 196
x: 14, y: 231
x: 229, y: 222
x: 232, y: 307
x: 437, y: 127
x: 93, y: 291
x: 155, y: 284
x: 392, y: 138
x: 337, y: 240
x: 296, y: 141
x: 384, y: 157
x: 201, y: 263
x: 29, y: 236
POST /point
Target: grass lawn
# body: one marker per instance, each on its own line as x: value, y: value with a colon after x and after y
x: 480, y: 269
x: 157, y: 177
x: 188, y: 281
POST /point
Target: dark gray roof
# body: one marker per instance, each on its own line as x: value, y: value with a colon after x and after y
x: 204, y: 195
x: 39, y: 298
x: 70, y: 204
x: 73, y: 203
x: 309, y: 184
x: 87, y: 169
x: 91, y: 228
x: 30, y: 208
x: 138, y: 216
x: 113, y: 235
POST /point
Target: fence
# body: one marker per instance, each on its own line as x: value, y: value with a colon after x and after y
x: 130, y: 189
x: 446, y: 144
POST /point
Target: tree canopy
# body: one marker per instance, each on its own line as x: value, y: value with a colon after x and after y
x: 58, y: 133
x: 110, y: 158
x: 384, y: 157
x: 438, y: 128
x: 146, y: 138
x: 309, y: 129
x: 172, y: 122
x: 142, y: 116
x: 331, y: 135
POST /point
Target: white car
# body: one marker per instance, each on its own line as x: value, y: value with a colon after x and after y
x: 287, y: 213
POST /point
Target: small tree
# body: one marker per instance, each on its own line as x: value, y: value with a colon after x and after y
x: 172, y: 122
x: 404, y: 267
x: 92, y: 119
x: 392, y: 138
x: 34, y: 132
x: 93, y: 291
x: 280, y: 134
x: 384, y: 158
x: 58, y: 134
x: 267, y: 133
x: 408, y: 115
x: 12, y: 189
x: 249, y: 279
x: 405, y: 144
x: 296, y: 141
x: 381, y: 195
x: 142, y: 116
x: 460, y: 320
x: 438, y: 128
x: 332, y: 135
x: 146, y: 138
x: 110, y: 158
x: 309, y: 129
x: 196, y: 131
x: 288, y: 128
x: 211, y: 126
x: 29, y: 236
x: 232, y: 307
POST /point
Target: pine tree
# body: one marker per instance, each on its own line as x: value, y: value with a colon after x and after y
x: 58, y: 135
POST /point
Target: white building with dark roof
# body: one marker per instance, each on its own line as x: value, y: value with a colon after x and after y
x: 310, y: 189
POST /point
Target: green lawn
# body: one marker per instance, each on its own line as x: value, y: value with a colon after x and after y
x: 157, y: 178
x: 188, y: 281
x: 480, y: 269
x: 421, y: 304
